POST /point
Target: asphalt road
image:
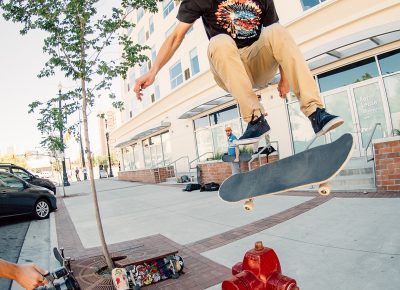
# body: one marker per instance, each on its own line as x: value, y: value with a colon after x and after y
x: 12, y: 236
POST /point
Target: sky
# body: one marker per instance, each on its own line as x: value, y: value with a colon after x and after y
x: 21, y: 59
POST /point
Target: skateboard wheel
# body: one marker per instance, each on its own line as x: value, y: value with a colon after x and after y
x: 324, y: 189
x: 249, y: 204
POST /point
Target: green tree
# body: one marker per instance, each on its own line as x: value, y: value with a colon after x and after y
x: 76, y: 39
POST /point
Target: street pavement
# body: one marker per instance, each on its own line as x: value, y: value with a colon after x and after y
x: 12, y: 236
x: 341, y: 244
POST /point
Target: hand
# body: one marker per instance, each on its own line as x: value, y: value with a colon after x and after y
x: 283, y: 87
x: 30, y: 276
x: 143, y: 82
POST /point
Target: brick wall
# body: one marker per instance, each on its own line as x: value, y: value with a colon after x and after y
x: 147, y: 175
x: 387, y: 162
x: 218, y: 171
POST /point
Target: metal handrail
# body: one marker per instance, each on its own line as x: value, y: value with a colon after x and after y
x: 257, y: 155
x: 198, y: 158
x: 370, y: 140
x: 174, y: 162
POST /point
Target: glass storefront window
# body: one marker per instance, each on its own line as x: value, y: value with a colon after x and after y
x: 166, y: 145
x: 392, y: 86
x: 389, y: 62
x: 210, y: 131
x: 224, y: 115
x: 350, y: 74
x: 201, y: 122
x: 129, y: 161
x: 147, y: 154
x: 302, y: 131
x: 204, y: 143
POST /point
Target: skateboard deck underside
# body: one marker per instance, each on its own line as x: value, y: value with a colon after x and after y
x: 242, y: 158
x: 315, y: 165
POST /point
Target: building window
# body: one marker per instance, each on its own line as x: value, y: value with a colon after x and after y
x: 140, y: 14
x: 168, y: 6
x: 141, y: 37
x: 392, y: 86
x: 131, y: 77
x: 153, y: 54
x: 194, y: 61
x: 307, y: 4
x: 175, y: 75
x: 151, y: 24
x: 169, y: 31
x: 156, y: 90
x: 143, y: 68
x: 349, y: 74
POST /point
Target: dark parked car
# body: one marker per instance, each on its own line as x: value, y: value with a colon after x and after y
x: 17, y: 197
x: 27, y: 176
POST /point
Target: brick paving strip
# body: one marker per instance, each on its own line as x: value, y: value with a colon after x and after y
x: 200, y: 272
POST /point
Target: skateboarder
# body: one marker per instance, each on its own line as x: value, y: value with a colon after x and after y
x: 247, y: 46
x: 233, y: 150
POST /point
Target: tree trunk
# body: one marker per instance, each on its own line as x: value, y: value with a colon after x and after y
x: 106, y: 253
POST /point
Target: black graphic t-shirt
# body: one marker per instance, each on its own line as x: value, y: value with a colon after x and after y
x: 241, y: 19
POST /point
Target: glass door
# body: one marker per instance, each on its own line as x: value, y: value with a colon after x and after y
x: 338, y: 102
x: 371, y: 109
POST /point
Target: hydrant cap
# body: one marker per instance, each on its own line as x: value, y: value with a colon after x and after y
x: 259, y: 246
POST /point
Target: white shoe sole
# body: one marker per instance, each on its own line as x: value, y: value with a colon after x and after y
x: 250, y: 140
x: 332, y: 124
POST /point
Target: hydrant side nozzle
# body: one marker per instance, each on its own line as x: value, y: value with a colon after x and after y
x: 259, y: 246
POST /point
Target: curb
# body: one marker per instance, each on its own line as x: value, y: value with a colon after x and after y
x: 40, y: 239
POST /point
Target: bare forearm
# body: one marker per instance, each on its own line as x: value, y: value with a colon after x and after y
x: 7, y: 270
x: 167, y: 50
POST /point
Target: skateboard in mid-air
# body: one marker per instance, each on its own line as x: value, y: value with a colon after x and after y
x: 243, y: 157
x: 317, y: 165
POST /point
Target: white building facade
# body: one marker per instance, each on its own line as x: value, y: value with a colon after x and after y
x: 351, y: 46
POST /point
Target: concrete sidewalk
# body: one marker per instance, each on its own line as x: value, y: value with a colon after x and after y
x: 324, y: 243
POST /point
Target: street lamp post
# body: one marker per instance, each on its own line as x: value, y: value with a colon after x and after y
x: 65, y: 175
x: 82, y: 151
x: 108, y: 149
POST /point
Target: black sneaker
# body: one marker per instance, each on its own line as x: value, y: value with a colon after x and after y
x: 254, y: 131
x: 322, y: 121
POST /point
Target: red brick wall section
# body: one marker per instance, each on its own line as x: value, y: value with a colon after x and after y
x: 147, y: 175
x: 218, y: 171
x: 387, y: 162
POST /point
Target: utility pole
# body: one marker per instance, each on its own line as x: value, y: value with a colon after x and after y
x: 65, y: 175
x: 108, y: 149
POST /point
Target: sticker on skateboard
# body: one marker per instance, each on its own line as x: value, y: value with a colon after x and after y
x: 143, y: 274
x: 243, y: 157
x: 317, y: 165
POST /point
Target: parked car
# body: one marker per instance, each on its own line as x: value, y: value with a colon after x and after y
x: 18, y: 197
x: 27, y: 176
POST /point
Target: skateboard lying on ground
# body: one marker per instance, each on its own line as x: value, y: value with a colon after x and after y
x: 143, y: 274
x: 317, y: 165
x: 243, y: 157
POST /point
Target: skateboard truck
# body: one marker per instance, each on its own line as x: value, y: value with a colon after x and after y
x: 260, y: 270
x: 248, y: 204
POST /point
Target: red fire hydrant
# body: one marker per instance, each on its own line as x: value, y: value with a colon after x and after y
x: 260, y: 270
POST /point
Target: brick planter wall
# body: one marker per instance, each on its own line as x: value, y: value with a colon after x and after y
x: 147, y: 175
x: 218, y: 171
x: 387, y: 162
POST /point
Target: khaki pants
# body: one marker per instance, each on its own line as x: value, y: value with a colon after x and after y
x: 239, y: 70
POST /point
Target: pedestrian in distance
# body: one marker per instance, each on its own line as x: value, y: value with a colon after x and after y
x: 77, y: 174
x: 233, y: 150
x: 247, y: 46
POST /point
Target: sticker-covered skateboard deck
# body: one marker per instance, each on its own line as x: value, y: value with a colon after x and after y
x: 317, y: 165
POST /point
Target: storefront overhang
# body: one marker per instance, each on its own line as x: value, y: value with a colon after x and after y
x: 353, y: 44
x: 207, y: 106
x: 144, y: 134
